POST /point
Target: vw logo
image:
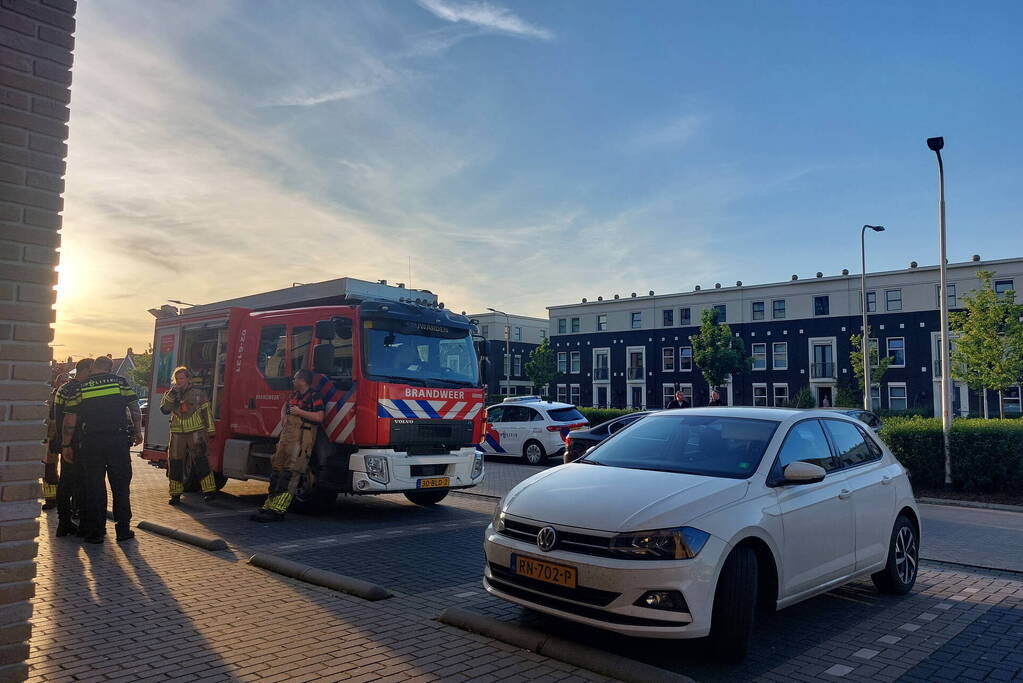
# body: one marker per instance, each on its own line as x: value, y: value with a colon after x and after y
x: 546, y: 539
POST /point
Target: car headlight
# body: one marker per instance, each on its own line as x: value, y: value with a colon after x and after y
x: 682, y: 543
x: 498, y: 520
x: 376, y: 469
x: 477, y: 465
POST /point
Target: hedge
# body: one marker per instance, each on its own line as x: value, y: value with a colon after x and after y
x: 986, y: 455
x: 598, y: 415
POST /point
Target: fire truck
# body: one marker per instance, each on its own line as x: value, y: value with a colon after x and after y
x: 398, y: 372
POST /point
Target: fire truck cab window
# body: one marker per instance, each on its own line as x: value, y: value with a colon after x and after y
x: 396, y: 350
x: 272, y: 352
x: 301, y: 342
x: 342, y: 358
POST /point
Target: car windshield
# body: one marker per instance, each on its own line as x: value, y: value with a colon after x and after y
x: 566, y: 415
x: 709, y: 445
x: 394, y: 350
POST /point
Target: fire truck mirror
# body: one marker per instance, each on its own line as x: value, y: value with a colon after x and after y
x: 323, y: 359
x: 343, y: 328
x: 324, y: 329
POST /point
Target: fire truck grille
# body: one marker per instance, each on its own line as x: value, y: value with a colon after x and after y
x: 418, y: 433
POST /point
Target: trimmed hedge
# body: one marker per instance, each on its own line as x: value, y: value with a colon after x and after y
x: 598, y: 415
x: 986, y: 455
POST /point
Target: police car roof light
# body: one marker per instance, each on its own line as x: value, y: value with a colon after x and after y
x: 520, y: 399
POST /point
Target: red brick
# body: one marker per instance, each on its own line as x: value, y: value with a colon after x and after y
x: 18, y: 22
x: 57, y: 37
x: 47, y: 145
x: 29, y: 197
x: 13, y: 136
x: 25, y: 453
x: 51, y: 71
x: 5, y: 368
x: 45, y: 14
x: 29, y: 312
x: 15, y: 633
x: 21, y: 530
x: 18, y: 510
x: 63, y: 5
x: 30, y: 273
x: 10, y: 251
x: 26, y: 392
x: 35, y: 254
x: 13, y: 98
x: 47, y: 107
x: 24, y: 157
x: 15, y: 653
x: 42, y: 219
x: 30, y: 431
x: 36, y: 86
x: 32, y: 333
x: 17, y: 612
x: 40, y: 294
x: 12, y: 174
x: 29, y: 411
x: 31, y: 491
x: 6, y: 291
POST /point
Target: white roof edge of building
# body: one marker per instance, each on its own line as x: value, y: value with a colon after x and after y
x: 545, y: 321
x: 826, y: 278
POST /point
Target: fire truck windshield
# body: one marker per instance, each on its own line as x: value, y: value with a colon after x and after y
x: 398, y: 351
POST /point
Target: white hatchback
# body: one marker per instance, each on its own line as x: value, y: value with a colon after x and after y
x: 530, y: 427
x: 684, y: 523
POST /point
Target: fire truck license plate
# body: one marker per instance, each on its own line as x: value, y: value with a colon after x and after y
x: 548, y: 572
x: 437, y: 483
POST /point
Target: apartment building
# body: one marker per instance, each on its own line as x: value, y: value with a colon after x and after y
x: 505, y: 373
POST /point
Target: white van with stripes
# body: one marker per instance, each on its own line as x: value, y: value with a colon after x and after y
x: 530, y: 427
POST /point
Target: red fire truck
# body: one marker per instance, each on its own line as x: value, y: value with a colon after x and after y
x: 398, y: 372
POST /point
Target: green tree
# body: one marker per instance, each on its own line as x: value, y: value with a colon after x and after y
x: 878, y: 366
x: 141, y: 374
x: 988, y: 349
x: 541, y: 368
x: 804, y: 398
x: 716, y: 351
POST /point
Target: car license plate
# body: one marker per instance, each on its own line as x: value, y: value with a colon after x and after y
x: 548, y: 572
x: 436, y: 483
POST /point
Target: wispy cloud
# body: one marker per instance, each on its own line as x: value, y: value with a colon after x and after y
x: 670, y: 133
x: 487, y: 16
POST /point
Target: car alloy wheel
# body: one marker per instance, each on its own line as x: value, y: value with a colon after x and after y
x: 906, y: 555
x: 534, y: 453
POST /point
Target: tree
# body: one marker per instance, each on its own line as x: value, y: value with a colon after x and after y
x: 541, y: 368
x: 141, y: 374
x: 804, y: 398
x: 878, y: 366
x: 988, y: 350
x: 716, y: 351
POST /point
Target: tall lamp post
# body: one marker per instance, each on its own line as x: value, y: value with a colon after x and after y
x: 507, y: 347
x: 935, y: 145
x: 865, y: 335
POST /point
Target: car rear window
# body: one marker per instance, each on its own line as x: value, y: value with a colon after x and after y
x: 689, y: 444
x: 566, y: 415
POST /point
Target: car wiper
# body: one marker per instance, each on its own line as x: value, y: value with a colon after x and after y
x: 590, y: 462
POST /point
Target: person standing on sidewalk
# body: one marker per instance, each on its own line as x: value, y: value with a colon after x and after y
x: 69, y: 491
x: 191, y: 427
x: 301, y: 416
x: 102, y: 406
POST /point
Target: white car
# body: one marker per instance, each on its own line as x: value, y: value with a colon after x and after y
x: 684, y: 523
x: 530, y: 427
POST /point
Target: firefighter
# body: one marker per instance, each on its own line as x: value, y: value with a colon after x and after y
x: 107, y: 409
x: 191, y: 426
x: 69, y: 494
x: 301, y: 416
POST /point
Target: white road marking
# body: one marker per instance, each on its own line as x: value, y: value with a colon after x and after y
x: 466, y: 595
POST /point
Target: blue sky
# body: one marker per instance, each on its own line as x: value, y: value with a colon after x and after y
x: 524, y: 154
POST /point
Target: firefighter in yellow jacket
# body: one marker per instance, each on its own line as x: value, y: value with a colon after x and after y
x: 191, y: 427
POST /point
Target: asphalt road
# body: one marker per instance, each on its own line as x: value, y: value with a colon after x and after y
x: 984, y: 538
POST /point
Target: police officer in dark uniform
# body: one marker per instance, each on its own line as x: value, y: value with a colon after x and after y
x: 70, y: 492
x: 102, y: 404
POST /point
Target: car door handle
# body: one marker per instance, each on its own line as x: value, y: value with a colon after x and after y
x: 886, y: 480
x: 844, y: 494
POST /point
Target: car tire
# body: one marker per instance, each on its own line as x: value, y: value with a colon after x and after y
x: 735, y: 602
x: 899, y: 573
x: 533, y: 452
x: 426, y: 498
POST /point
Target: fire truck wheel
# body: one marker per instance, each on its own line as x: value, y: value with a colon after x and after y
x: 317, y: 502
x: 431, y: 497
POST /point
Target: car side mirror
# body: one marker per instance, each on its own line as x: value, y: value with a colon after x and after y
x: 802, y: 473
x: 323, y: 359
x: 324, y: 329
x: 343, y: 328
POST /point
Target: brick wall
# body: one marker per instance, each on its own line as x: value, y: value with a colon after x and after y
x: 35, y: 75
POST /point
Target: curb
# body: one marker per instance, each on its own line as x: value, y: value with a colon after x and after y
x: 569, y: 652
x: 478, y: 495
x: 967, y: 565
x: 952, y: 502
x: 204, y: 542
x: 320, y: 577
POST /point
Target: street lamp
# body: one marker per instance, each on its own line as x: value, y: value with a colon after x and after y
x: 935, y: 145
x: 864, y: 335
x: 507, y: 347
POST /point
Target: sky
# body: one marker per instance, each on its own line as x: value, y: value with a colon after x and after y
x: 523, y: 154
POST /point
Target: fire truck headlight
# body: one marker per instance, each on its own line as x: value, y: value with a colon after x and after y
x: 376, y: 469
x: 477, y: 466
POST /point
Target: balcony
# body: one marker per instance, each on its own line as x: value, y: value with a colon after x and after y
x: 601, y: 374
x: 636, y: 373
x: 822, y: 371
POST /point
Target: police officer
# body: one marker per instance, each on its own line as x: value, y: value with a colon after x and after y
x: 191, y: 427
x: 69, y: 493
x: 301, y: 416
x: 102, y: 405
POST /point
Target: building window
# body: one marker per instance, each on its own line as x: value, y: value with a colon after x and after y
x: 507, y: 365
x: 573, y: 394
x: 637, y: 321
x: 893, y: 299
x: 1011, y: 402
x: 518, y: 333
x: 543, y: 334
x: 760, y: 359
x: 871, y: 302
x: 667, y: 394
x: 562, y: 362
x: 1003, y: 286
x: 486, y: 330
x: 780, y: 353
x: 950, y: 290
x: 575, y: 324
x: 778, y: 309
x: 601, y: 322
x: 685, y: 316
x: 760, y: 395
x: 897, y: 397
x: 721, y: 311
x: 822, y: 305
x: 517, y: 370
x: 562, y: 393
x: 635, y: 365
x: 897, y: 351
x: 875, y: 397
x: 668, y: 317
x: 668, y: 359
x: 574, y: 360
x: 687, y: 392
x: 758, y: 310
x: 781, y: 395
x: 601, y: 365
x: 562, y: 326
x: 685, y: 358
